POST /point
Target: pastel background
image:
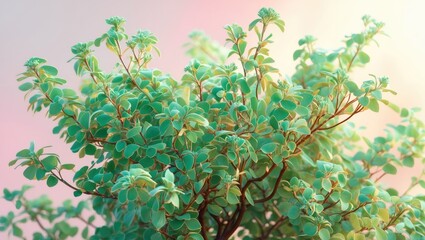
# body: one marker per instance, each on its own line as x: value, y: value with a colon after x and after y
x: 48, y: 28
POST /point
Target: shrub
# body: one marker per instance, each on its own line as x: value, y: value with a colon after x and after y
x: 231, y: 149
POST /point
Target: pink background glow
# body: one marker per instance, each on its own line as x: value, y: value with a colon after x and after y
x: 47, y: 29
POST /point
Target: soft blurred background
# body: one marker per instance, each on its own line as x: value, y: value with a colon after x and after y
x: 48, y: 28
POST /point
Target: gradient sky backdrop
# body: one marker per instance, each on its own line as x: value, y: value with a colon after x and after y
x: 48, y: 28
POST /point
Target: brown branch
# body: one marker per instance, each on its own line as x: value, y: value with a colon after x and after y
x: 380, y: 176
x: 358, y: 109
x: 34, y: 217
x: 258, y: 73
x: 243, y: 66
x: 86, y: 222
x: 394, y: 218
x: 202, y: 210
x: 357, y: 208
x: 119, y: 53
x: 279, y: 222
x: 327, y: 196
x: 331, y: 205
x: 43, y: 228
x: 60, y: 178
x: 275, y: 187
x: 354, y: 57
x: 199, y: 83
x: 258, y: 179
x: 219, y: 224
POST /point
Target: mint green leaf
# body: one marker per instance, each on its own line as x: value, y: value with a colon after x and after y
x: 158, y: 219
x: 288, y: 105
x: 49, y: 70
x: 390, y: 169
x: 55, y: 108
x: 198, y: 119
x: 268, y: 148
x: 132, y: 194
x: 17, y: 231
x: 310, y: 229
x: 134, y: 132
x: 193, y: 224
x: 363, y: 57
x: 280, y: 113
x: 373, y: 105
x: 50, y: 162
x: 130, y: 150
x: 77, y: 193
x: 52, y: 181
x: 253, y: 23
x: 84, y: 119
x: 26, y: 86
x: 293, y: 212
x: 244, y: 86
x: 324, y: 234
x: 364, y: 101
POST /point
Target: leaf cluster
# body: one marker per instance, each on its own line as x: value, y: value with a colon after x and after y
x: 231, y: 149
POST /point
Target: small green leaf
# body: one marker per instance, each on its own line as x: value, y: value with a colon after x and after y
x: 26, y: 86
x: 310, y: 229
x: 390, y: 169
x: 280, y: 113
x: 324, y: 234
x: 134, y: 132
x: 151, y: 152
x: 198, y: 119
x: 169, y: 176
x: 158, y: 219
x: 109, y: 108
x: 302, y: 110
x: 77, y: 193
x: 121, y: 144
x: 232, y: 198
x: 288, y: 105
x: 188, y: 161
x: 68, y: 166
x: 84, y: 119
x: 326, y: 184
x: 354, y: 220
x: 408, y: 161
x: 55, y: 108
x: 373, y: 105
x: 17, y: 231
x: 132, y: 194
x: 346, y: 196
x: 50, y: 162
x: 244, y: 86
x: 297, y: 54
x: 253, y: 23
x: 130, y: 150
x: 24, y: 153
x: 52, y: 181
x: 85, y: 232
x: 90, y: 149
x: 380, y: 234
x: 364, y: 101
x: 363, y: 57
x: 103, y: 119
x: 293, y: 212
x: 268, y: 148
x: 89, y: 186
x: 193, y: 224
x: 122, y: 196
x: 49, y: 70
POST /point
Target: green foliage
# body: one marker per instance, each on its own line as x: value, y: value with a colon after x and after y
x: 225, y: 152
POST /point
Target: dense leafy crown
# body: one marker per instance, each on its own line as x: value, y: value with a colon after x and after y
x: 235, y: 150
